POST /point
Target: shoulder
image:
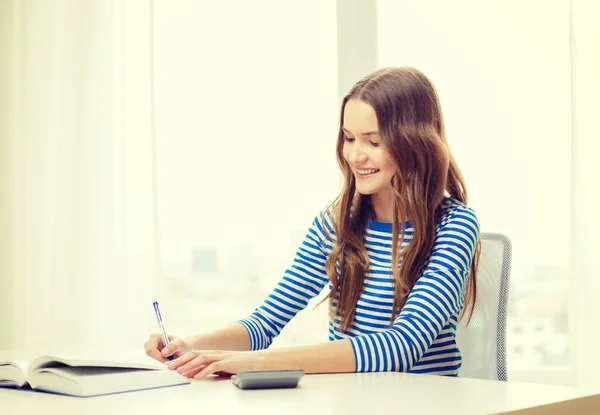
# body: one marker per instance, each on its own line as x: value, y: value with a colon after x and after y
x: 323, y: 225
x: 456, y: 237
x: 458, y: 217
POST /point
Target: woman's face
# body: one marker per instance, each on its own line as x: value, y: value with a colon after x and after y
x: 363, y: 150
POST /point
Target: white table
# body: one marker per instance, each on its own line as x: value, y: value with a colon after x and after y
x: 316, y: 394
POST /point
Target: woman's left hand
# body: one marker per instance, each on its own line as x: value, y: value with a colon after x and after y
x: 202, y: 363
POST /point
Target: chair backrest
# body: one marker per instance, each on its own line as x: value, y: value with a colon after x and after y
x: 482, y: 342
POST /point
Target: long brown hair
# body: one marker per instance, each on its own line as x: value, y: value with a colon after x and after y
x: 411, y: 128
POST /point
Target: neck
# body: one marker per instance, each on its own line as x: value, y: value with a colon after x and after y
x: 383, y: 206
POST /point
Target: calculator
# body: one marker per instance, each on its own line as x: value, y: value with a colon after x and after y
x: 267, y: 379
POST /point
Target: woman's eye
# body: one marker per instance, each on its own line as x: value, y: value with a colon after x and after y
x: 348, y: 139
x: 374, y: 143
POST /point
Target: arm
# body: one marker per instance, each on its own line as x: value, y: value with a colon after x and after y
x: 303, y: 281
x: 232, y: 337
x: 300, y: 283
x: 437, y: 295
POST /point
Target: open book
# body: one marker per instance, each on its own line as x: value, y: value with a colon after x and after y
x: 84, y: 377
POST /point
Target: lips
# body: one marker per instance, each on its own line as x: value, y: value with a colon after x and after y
x: 366, y: 172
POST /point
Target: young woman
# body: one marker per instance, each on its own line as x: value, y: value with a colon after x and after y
x: 398, y: 248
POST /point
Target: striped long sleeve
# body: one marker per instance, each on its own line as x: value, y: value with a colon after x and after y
x: 421, y: 339
x: 431, y: 312
x: 301, y: 282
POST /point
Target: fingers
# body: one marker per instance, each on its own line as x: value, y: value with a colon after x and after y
x: 193, y: 372
x: 152, y: 347
x: 219, y: 368
x: 192, y: 360
x: 175, y: 345
x: 182, y: 360
x: 202, y: 363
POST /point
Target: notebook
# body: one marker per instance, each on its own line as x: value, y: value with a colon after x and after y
x: 85, y: 377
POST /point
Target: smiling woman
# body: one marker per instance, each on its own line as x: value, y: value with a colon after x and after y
x: 398, y: 249
x: 369, y: 161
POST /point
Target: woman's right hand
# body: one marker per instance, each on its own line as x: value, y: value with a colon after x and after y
x: 177, y: 346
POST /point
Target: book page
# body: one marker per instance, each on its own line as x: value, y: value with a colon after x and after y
x: 13, y: 372
x: 136, y: 361
x: 22, y: 365
x: 79, y: 371
x: 92, y: 381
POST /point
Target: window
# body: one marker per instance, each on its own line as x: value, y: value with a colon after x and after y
x: 506, y: 99
x: 247, y: 116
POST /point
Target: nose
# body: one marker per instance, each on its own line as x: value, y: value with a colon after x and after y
x: 357, y: 154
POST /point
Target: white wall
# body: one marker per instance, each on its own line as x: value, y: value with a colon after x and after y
x: 585, y: 274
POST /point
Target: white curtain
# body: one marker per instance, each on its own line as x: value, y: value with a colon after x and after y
x: 79, y: 239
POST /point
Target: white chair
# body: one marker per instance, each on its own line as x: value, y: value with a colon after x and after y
x: 483, y: 341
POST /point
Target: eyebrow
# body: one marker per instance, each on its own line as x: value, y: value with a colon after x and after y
x: 369, y: 133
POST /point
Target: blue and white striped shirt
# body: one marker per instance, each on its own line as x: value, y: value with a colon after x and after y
x: 422, y: 337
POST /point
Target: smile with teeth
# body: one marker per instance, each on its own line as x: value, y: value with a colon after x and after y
x: 366, y: 172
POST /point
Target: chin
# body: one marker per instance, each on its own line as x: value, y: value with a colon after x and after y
x: 366, y: 192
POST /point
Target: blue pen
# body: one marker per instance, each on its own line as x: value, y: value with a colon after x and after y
x: 163, y: 332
